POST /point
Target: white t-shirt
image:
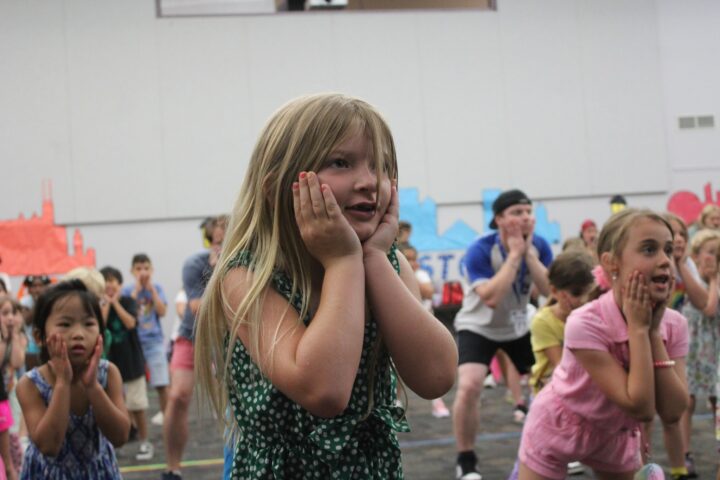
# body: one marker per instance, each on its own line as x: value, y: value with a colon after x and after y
x: 423, y: 277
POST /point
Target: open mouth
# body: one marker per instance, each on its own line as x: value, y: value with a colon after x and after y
x: 661, y: 280
x: 363, y: 207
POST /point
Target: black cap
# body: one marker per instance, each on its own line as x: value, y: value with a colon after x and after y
x: 507, y: 199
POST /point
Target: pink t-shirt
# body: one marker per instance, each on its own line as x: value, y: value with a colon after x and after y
x: 599, y: 325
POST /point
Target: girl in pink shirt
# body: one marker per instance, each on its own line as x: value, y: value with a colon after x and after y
x: 598, y: 397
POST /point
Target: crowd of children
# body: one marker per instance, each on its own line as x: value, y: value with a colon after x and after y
x: 303, y: 319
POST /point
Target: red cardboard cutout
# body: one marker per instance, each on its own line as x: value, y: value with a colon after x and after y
x: 687, y: 205
x: 36, y: 246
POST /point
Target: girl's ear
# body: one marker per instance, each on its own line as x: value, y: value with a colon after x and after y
x: 36, y: 336
x: 610, y: 264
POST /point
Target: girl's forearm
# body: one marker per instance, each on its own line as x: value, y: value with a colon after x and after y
x: 17, y: 357
x: 671, y: 395
x: 331, y: 346
x: 113, y: 422
x: 712, y: 302
x: 49, y: 435
x: 640, y: 391
x: 421, y: 347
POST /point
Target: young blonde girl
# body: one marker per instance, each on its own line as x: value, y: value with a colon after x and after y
x: 12, y: 356
x: 311, y: 310
x: 72, y: 403
x: 617, y: 368
x: 703, y: 319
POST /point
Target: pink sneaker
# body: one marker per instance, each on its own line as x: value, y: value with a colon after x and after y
x: 439, y: 410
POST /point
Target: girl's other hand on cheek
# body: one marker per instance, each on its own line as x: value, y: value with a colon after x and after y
x: 89, y: 375
x: 326, y: 232
x: 387, y: 229
x: 659, y: 309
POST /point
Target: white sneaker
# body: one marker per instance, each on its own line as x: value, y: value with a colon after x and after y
x: 157, y: 419
x: 439, y: 409
x: 575, y: 468
x: 468, y: 476
x: 489, y: 382
x: 145, y: 452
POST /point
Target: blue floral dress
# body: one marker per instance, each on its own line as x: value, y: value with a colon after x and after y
x: 85, y: 455
x: 281, y: 440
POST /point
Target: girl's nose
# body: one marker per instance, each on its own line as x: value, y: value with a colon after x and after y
x: 366, y: 179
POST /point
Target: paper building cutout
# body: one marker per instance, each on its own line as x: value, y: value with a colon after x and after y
x: 423, y: 218
x: 36, y: 246
x: 687, y: 205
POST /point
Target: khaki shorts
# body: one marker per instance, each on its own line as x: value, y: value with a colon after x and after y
x: 136, y: 398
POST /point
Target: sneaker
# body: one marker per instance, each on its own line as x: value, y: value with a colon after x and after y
x: 467, y: 475
x: 690, y: 465
x: 145, y: 452
x: 157, y: 419
x: 439, y: 410
x: 575, y: 468
x: 489, y: 382
x: 519, y: 413
x: 466, y: 468
x: 170, y: 475
x: 679, y: 477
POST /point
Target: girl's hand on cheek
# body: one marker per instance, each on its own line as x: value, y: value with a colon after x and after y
x: 59, y: 362
x: 386, y: 233
x: 659, y: 309
x: 326, y: 232
x: 89, y: 375
x: 636, y: 302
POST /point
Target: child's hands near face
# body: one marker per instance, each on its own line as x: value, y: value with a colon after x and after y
x: 659, y: 309
x: 326, y: 232
x: 89, y: 376
x: 387, y: 230
x: 59, y: 361
x: 636, y: 301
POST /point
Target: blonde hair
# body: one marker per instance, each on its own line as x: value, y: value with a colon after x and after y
x: 707, y: 210
x: 298, y: 137
x: 92, y: 278
x: 614, y: 236
x: 671, y: 217
x: 701, y: 238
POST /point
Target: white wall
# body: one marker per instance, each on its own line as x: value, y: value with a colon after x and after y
x: 136, y: 118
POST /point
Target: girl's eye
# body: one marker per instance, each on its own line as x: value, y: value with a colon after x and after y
x: 339, y: 163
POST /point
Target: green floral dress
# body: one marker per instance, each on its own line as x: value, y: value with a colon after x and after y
x: 279, y: 439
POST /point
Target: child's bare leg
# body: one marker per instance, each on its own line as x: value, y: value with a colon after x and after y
x: 614, y: 475
x: 526, y: 474
x: 686, y: 425
x: 138, y: 417
x: 7, y: 458
x: 162, y: 397
x: 674, y: 444
x: 512, y: 377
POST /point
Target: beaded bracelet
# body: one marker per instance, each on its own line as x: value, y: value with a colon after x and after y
x: 664, y: 363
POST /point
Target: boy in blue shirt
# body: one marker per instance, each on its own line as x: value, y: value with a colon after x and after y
x: 152, y: 305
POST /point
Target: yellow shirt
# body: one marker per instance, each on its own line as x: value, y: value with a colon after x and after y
x: 546, y: 330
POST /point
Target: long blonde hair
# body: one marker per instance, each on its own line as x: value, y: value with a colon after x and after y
x: 298, y: 137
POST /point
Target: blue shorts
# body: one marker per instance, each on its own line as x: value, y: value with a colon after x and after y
x: 157, y: 364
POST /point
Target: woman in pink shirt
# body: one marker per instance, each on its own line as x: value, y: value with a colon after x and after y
x: 598, y: 397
